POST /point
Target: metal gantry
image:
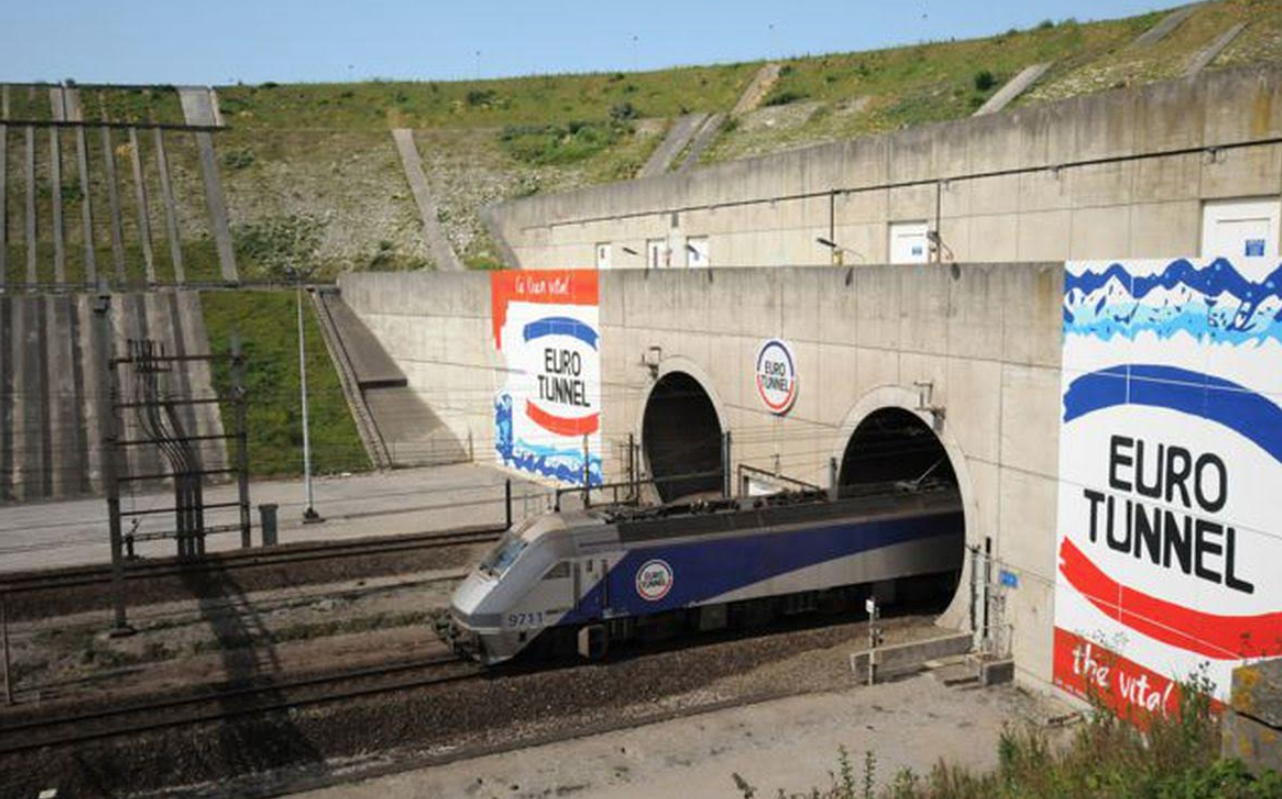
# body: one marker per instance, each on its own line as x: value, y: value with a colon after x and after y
x: 159, y: 410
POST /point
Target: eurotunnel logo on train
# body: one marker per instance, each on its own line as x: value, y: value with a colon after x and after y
x: 1170, y: 454
x: 546, y: 327
x: 776, y: 372
x: 654, y: 580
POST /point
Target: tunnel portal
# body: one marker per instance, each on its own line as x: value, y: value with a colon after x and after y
x: 894, y: 445
x: 681, y: 435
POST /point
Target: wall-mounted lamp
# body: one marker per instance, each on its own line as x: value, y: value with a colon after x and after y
x: 838, y: 251
x: 945, y: 253
x: 631, y: 251
x: 651, y: 358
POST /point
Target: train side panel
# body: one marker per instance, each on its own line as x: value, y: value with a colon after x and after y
x: 661, y: 576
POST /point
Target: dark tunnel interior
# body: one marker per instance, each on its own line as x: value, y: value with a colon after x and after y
x: 893, y: 445
x: 681, y: 436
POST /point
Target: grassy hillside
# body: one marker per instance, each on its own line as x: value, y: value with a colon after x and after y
x: 311, y: 173
x: 267, y: 322
x: 539, y: 99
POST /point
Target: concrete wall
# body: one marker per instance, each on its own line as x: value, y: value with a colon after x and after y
x: 1015, y: 186
x: 52, y: 388
x: 986, y: 337
x: 436, y: 326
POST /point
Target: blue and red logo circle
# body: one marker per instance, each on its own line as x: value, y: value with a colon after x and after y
x: 776, y: 376
x: 654, y: 580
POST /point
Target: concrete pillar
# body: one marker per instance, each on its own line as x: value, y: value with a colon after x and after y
x: 86, y: 208
x: 169, y: 329
x: 113, y: 203
x: 171, y: 209
x: 29, y: 418
x: 4, y: 194
x: 93, y: 351
x: 190, y: 321
x: 30, y: 220
x: 217, y: 207
x: 140, y: 198
x: 55, y: 200
x: 64, y: 448
x: 8, y: 349
x: 78, y: 479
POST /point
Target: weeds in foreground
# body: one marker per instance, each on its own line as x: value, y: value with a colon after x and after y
x: 1174, y: 757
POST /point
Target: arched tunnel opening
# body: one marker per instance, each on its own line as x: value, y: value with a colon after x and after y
x: 890, y: 451
x: 681, y: 435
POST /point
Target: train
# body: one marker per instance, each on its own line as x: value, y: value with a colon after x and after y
x: 581, y: 580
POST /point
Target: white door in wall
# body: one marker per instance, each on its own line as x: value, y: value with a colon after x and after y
x: 656, y: 253
x: 1244, y: 231
x: 697, y: 253
x: 908, y: 243
x: 603, y: 256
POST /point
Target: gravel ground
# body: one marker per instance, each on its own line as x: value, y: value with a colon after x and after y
x: 236, y: 581
x: 508, y: 708
x: 790, y: 744
x: 233, y: 636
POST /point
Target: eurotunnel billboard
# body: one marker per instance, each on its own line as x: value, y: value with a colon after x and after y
x: 1170, y: 469
x: 547, y: 415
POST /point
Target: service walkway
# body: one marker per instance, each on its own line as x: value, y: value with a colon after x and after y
x: 50, y: 534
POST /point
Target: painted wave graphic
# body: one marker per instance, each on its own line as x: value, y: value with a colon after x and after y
x: 562, y: 464
x: 1212, y: 302
x: 1247, y: 413
x: 561, y: 326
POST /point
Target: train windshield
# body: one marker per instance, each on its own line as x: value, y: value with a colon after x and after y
x: 506, y: 551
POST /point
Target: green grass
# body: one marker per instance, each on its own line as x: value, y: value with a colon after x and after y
x: 533, y: 100
x: 543, y: 145
x: 918, y: 84
x: 267, y: 323
x: 200, y: 262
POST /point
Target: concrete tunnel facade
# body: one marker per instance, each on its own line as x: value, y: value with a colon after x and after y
x: 970, y: 351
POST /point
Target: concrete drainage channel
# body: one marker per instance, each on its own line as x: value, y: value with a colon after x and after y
x: 949, y: 656
x: 286, y: 749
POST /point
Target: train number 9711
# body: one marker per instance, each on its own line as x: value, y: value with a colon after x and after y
x: 520, y: 620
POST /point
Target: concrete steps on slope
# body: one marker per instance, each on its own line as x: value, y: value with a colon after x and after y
x: 1165, y: 26
x: 1013, y: 89
x: 673, y: 144
x: 761, y: 84
x: 397, y: 427
x: 437, y: 242
x: 702, y: 140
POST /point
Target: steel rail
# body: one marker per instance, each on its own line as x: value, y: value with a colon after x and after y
x: 30, y: 730
x: 247, y: 559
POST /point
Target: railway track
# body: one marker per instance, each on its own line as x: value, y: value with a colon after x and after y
x: 230, y: 704
x: 243, y: 559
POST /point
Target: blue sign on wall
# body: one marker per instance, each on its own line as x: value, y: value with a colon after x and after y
x: 1255, y: 248
x: 1009, y: 579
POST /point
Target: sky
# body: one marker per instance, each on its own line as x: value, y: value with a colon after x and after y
x: 226, y: 41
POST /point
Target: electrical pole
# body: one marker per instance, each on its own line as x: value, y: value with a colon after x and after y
x: 310, y: 516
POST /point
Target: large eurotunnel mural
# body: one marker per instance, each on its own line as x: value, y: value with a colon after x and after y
x: 547, y: 416
x: 1170, y: 469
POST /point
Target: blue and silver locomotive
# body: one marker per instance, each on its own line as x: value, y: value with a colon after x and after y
x: 582, y: 579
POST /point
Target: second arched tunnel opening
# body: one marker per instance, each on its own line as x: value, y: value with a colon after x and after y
x: 893, y: 451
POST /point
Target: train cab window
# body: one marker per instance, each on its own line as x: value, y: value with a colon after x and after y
x: 558, y: 572
x: 504, y: 553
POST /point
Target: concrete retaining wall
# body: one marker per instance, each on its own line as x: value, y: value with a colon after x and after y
x: 51, y: 387
x: 1003, y: 187
x: 985, y: 337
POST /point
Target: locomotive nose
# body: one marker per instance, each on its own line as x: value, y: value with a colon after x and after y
x: 470, y: 593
